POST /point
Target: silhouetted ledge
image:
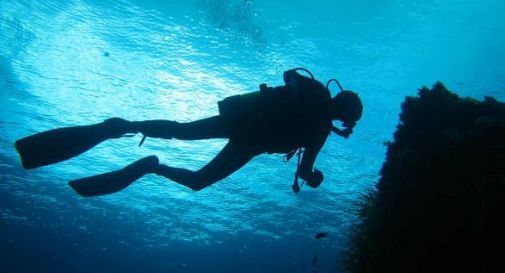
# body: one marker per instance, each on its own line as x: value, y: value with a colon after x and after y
x: 439, y: 205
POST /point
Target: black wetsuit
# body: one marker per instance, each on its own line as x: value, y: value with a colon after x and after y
x: 274, y: 120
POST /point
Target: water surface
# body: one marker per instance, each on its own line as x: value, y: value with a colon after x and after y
x: 74, y: 62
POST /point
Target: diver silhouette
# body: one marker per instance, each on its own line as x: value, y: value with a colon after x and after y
x: 290, y: 119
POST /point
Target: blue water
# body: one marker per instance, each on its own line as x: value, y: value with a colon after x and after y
x: 77, y: 62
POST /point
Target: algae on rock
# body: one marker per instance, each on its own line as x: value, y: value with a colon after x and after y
x: 439, y: 205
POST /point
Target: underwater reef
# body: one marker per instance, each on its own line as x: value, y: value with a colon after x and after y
x: 439, y: 205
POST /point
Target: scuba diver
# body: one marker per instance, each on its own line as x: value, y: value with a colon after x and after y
x: 293, y: 119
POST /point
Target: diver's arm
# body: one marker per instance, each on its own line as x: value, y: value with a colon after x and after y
x: 307, y: 171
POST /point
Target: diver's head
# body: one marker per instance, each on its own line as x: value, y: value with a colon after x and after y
x: 347, y: 107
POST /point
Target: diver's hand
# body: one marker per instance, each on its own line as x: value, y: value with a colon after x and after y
x: 314, y: 179
x: 345, y: 133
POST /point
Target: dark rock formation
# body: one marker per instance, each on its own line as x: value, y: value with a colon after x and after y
x: 440, y: 203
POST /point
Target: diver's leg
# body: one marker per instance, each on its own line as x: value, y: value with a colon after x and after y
x: 56, y: 145
x: 213, y: 127
x: 114, y: 181
x: 230, y: 159
x: 60, y: 144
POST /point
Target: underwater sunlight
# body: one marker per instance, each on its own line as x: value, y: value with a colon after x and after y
x: 80, y: 62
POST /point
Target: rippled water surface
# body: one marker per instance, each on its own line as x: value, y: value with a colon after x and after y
x: 74, y: 62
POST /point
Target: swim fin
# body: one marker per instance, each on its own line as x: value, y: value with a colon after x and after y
x: 114, y: 181
x: 56, y: 145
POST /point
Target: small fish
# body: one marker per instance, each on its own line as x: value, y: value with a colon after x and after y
x: 321, y: 235
x: 314, y: 260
